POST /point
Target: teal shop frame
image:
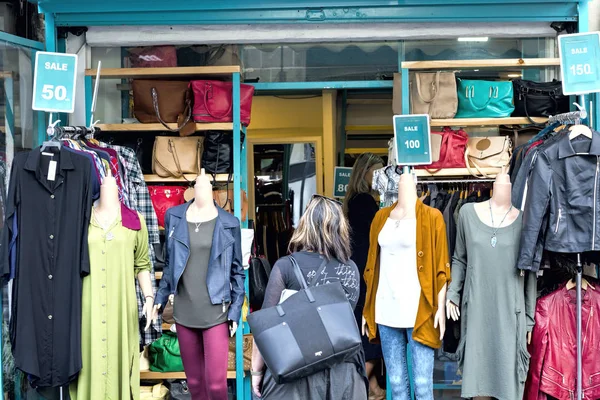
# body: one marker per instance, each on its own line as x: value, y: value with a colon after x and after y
x: 65, y: 13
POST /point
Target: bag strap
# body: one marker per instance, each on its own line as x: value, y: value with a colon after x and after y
x: 173, y: 151
x: 188, y: 108
x: 436, y: 87
x: 298, y: 273
x: 209, y: 87
x: 471, y: 96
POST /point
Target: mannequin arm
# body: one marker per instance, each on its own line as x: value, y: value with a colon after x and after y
x: 440, y: 315
x: 146, y: 286
x: 459, y: 270
x: 530, y: 301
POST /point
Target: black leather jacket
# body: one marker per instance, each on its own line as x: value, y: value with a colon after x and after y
x: 562, y: 211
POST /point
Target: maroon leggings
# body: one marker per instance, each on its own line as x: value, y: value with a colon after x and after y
x: 204, y: 354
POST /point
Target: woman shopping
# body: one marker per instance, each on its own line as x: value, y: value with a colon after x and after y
x: 322, y: 235
x: 360, y: 207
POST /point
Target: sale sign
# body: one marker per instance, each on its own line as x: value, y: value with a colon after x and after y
x: 54, y: 82
x: 579, y: 62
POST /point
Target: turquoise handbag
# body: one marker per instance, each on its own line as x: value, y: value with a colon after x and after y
x: 484, y: 99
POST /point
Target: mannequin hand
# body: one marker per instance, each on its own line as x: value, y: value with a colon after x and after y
x: 440, y: 320
x: 155, y: 311
x: 364, y: 327
x: 528, y: 337
x: 257, y: 385
x: 150, y: 312
x: 171, y: 299
x: 452, y: 311
x: 232, y: 328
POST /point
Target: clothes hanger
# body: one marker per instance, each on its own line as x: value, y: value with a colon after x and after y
x: 579, y: 129
x: 584, y: 284
x: 55, y: 133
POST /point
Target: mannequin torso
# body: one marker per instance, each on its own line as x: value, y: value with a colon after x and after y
x: 500, y: 204
x: 203, y: 208
x: 407, y: 198
x: 108, y: 208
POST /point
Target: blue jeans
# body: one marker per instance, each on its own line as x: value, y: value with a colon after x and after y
x: 393, y: 343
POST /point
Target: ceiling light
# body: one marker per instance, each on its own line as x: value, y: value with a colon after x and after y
x: 473, y: 39
x: 514, y: 75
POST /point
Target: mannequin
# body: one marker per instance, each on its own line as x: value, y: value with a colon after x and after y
x: 411, y: 252
x: 109, y: 302
x: 488, y: 236
x: 201, y: 239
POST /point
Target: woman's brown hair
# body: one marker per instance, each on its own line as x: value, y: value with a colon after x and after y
x: 358, y: 183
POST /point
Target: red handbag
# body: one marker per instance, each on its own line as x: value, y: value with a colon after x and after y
x: 213, y: 101
x: 165, y: 197
x: 153, y: 57
x: 451, y: 149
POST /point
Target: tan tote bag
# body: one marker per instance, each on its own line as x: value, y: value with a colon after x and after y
x: 434, y: 93
x: 176, y: 156
x: 487, y: 152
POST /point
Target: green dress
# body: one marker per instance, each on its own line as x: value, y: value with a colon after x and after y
x: 109, y: 330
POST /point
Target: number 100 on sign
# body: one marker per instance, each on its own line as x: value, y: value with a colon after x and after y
x: 412, y: 139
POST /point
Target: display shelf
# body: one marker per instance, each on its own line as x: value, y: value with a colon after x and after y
x: 491, y: 63
x: 369, y: 128
x: 453, y: 172
x: 150, y: 375
x: 225, y: 126
x: 367, y: 102
x: 187, y: 179
x: 487, y: 121
x: 174, y: 72
x: 359, y: 150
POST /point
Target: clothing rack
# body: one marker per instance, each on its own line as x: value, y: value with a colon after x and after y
x: 421, y: 181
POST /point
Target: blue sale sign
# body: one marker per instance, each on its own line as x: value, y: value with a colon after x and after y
x: 580, y: 62
x: 341, y: 179
x: 412, y: 139
x: 54, y: 82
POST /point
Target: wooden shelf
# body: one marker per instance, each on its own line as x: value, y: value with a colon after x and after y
x: 369, y: 128
x: 487, y: 121
x: 454, y: 172
x: 188, y: 178
x: 149, y: 375
x: 491, y: 63
x: 375, y: 150
x: 138, y: 73
x: 226, y: 126
x: 364, y: 102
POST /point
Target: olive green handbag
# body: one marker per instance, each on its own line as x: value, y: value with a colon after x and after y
x: 165, y: 355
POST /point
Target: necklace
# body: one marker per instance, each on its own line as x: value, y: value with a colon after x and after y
x: 197, y: 226
x: 494, y: 239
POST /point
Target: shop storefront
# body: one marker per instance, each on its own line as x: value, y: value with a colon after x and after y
x: 328, y: 77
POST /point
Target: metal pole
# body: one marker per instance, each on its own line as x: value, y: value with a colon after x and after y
x: 579, y: 369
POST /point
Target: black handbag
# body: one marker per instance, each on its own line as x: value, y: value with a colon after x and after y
x: 218, y: 152
x: 259, y: 272
x: 141, y: 143
x: 312, y: 330
x: 539, y: 99
x: 178, y: 390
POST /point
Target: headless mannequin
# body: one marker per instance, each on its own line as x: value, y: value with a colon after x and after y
x: 106, y: 212
x: 405, y: 208
x: 201, y: 210
x: 500, y: 204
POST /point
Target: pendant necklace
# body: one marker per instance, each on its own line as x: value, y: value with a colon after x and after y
x: 197, y: 226
x: 494, y: 239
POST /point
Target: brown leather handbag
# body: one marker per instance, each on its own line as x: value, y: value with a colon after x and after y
x: 247, y: 350
x: 163, y: 102
x: 176, y: 156
x: 434, y: 93
x: 487, y: 152
x: 224, y: 199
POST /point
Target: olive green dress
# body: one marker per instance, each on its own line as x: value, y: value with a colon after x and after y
x: 109, y: 331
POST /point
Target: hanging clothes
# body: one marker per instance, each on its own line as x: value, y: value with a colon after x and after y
x: 51, y: 195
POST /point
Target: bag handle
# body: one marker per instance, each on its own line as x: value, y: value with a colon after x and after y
x: 188, y: 108
x: 300, y: 277
x: 209, y: 87
x: 436, y: 87
x: 470, y: 94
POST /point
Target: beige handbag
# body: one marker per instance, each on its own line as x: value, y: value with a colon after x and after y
x: 156, y: 392
x: 487, y: 152
x: 175, y: 156
x: 434, y: 93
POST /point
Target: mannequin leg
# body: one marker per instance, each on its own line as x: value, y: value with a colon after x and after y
x: 393, y: 344
x: 423, y: 358
x: 216, y: 352
x: 192, y: 355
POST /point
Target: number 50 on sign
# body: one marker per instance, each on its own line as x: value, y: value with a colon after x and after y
x: 54, y: 82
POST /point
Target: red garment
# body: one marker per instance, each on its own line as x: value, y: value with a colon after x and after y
x: 553, y: 368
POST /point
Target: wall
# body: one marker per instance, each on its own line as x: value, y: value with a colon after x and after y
x: 595, y: 15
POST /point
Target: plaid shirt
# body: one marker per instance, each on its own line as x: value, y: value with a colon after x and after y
x: 139, y: 198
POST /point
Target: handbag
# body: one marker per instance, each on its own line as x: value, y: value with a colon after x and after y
x: 178, y: 390
x: 176, y: 156
x: 163, y: 102
x: 449, y: 147
x: 218, y: 152
x: 140, y: 142
x: 156, y: 392
x: 258, y: 275
x: 213, y: 101
x: 484, y: 99
x: 224, y: 199
x: 311, y: 331
x: 487, y: 152
x: 163, y: 198
x: 434, y: 93
x: 164, y: 353
x: 539, y: 99
x: 247, y: 350
x: 153, y: 57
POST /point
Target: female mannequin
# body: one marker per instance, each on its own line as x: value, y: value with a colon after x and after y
x: 407, y: 272
x: 492, y: 351
x: 207, y: 298
x: 110, y: 367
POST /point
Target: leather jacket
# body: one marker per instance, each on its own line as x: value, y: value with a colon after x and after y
x: 225, y: 277
x: 553, y: 367
x: 562, y: 210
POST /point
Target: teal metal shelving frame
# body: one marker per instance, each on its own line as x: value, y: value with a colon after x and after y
x: 65, y: 13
